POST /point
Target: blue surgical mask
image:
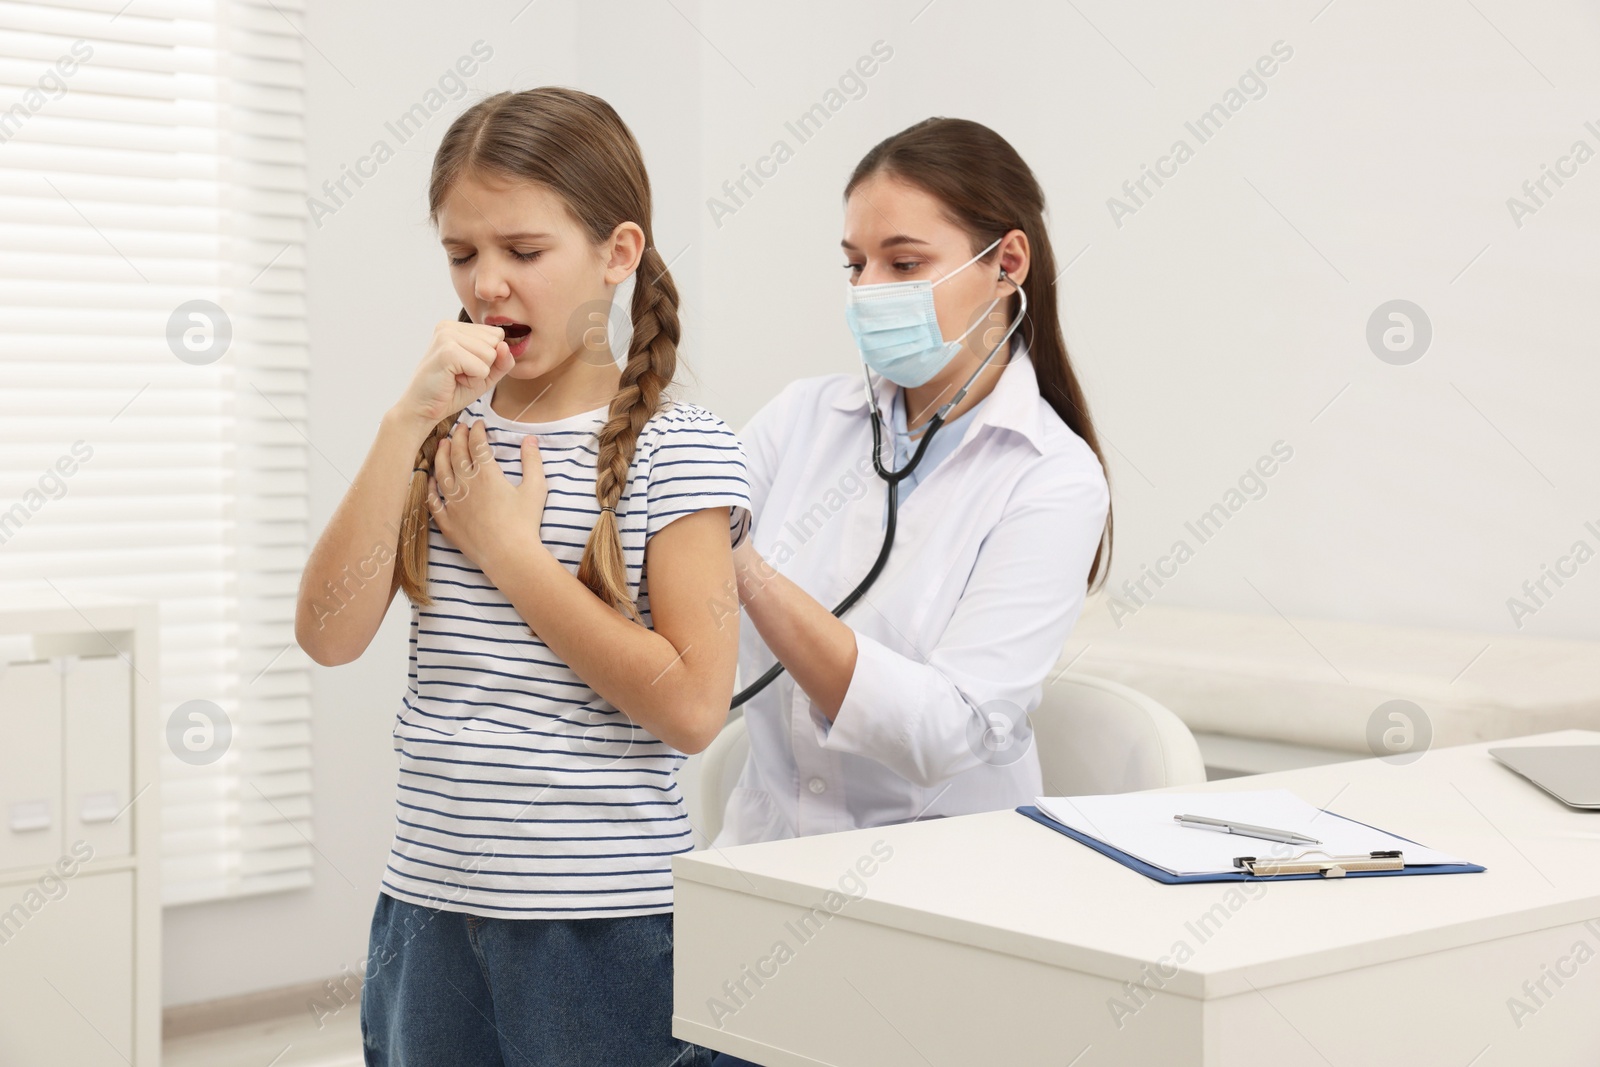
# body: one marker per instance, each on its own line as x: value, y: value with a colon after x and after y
x: 897, y: 327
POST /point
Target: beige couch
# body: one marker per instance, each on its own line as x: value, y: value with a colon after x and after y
x: 1263, y: 693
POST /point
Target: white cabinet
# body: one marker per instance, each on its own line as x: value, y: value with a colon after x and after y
x: 66, y: 971
x: 67, y: 762
x: 80, y: 911
x: 30, y: 765
x: 97, y: 738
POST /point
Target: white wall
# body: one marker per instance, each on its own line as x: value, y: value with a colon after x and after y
x: 1230, y: 309
x: 1222, y: 317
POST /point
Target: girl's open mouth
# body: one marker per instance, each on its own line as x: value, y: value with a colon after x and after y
x: 516, y: 336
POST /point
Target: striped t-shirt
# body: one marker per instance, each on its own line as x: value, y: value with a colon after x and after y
x: 523, y: 793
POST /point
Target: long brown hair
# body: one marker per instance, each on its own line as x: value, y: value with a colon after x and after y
x: 575, y: 145
x: 988, y: 190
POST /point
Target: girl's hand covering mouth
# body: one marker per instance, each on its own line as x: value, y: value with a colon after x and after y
x: 463, y: 361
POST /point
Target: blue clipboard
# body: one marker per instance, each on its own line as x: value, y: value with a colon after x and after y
x: 1169, y: 878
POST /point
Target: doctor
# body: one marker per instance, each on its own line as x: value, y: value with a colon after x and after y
x: 914, y: 704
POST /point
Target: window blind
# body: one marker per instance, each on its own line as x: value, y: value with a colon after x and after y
x: 152, y: 445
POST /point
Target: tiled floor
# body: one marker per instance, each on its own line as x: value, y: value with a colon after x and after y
x: 292, y: 1042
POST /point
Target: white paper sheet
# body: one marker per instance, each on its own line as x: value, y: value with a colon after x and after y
x: 1142, y: 825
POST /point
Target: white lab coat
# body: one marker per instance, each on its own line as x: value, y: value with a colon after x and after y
x: 981, y: 590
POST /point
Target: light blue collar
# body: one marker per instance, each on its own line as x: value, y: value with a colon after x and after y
x: 1012, y: 405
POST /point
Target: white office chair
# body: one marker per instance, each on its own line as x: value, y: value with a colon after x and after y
x: 1094, y: 736
x: 720, y: 766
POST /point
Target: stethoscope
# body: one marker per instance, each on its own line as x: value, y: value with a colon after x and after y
x: 894, y: 477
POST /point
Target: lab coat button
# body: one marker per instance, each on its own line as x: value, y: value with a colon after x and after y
x: 817, y: 785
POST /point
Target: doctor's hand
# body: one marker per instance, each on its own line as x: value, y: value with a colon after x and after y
x: 751, y: 571
x: 476, y: 507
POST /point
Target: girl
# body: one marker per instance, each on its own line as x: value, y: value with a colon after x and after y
x: 562, y: 531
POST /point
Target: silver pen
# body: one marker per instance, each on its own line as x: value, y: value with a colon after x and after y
x: 1244, y: 829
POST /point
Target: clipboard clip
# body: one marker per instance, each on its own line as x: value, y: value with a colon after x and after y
x: 1329, y: 867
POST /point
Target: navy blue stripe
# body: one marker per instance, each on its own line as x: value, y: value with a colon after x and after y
x: 695, y: 478
x: 525, y: 822
x: 549, y: 803
x: 520, y: 729
x: 514, y: 800
x: 487, y: 873
x: 526, y: 766
x: 553, y: 718
x: 495, y: 704
x: 597, y: 907
x: 480, y: 654
x: 478, y: 669
x: 474, y: 637
x: 518, y: 621
x: 543, y: 855
x: 639, y: 909
x: 526, y: 838
x: 681, y: 462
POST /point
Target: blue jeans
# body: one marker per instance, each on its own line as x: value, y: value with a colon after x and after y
x: 444, y: 988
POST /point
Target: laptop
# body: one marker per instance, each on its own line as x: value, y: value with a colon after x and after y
x: 1570, y: 773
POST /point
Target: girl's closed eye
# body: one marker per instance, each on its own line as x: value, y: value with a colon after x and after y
x: 526, y: 257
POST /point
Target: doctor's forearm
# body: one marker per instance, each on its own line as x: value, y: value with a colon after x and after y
x: 816, y: 648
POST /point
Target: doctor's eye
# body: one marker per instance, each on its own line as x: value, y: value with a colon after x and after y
x: 853, y: 268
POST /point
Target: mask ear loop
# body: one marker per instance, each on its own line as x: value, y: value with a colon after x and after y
x: 968, y: 263
x: 1005, y: 339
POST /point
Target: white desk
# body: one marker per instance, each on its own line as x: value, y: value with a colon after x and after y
x: 989, y: 939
